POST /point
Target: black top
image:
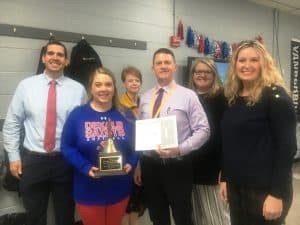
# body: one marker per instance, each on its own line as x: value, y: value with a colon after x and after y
x: 259, y: 142
x: 206, y: 160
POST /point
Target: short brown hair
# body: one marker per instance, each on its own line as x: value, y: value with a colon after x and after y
x: 164, y: 51
x: 131, y: 70
x: 45, y: 48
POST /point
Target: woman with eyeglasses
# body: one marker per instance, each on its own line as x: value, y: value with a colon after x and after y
x: 208, y: 209
x: 258, y: 139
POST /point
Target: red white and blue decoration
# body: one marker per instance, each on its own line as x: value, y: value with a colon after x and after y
x: 219, y: 50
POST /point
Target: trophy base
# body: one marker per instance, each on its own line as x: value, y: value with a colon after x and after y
x: 109, y: 173
x: 110, y: 164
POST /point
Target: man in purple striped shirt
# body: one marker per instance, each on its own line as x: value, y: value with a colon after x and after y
x: 166, y: 174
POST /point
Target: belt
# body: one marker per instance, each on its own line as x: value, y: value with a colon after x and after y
x: 42, y: 154
x: 165, y: 161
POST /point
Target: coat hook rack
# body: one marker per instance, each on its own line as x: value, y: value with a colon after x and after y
x: 43, y: 34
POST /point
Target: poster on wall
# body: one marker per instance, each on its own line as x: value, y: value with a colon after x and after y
x: 295, y: 85
x: 295, y: 79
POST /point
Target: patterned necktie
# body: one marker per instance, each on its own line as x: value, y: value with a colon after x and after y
x: 157, y: 101
x: 50, y: 128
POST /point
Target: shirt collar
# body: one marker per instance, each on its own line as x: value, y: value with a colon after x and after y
x: 166, y: 88
x: 59, y: 80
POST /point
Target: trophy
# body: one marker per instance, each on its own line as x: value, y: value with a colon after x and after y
x: 110, y: 161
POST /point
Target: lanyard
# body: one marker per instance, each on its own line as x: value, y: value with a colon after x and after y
x: 165, y: 98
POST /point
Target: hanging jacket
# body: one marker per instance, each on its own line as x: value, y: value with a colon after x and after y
x: 84, y: 59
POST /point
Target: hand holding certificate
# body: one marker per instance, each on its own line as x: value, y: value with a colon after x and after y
x: 151, y: 133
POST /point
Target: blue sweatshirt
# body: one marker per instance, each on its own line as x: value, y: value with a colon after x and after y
x: 83, y: 136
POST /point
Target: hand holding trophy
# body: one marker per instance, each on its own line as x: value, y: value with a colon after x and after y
x: 110, y: 160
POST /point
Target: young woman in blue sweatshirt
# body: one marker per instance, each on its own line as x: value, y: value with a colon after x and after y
x: 99, y: 201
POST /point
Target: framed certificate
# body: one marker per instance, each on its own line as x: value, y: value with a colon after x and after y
x: 158, y: 131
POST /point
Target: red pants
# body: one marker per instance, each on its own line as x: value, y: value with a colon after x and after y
x: 102, y: 215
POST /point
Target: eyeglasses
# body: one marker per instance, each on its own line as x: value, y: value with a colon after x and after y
x: 203, y: 72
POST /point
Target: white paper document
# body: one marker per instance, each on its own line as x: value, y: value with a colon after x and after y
x: 158, y: 131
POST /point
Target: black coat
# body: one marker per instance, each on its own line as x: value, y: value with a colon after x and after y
x: 84, y: 59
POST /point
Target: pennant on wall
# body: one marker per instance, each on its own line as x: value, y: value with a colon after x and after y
x: 295, y: 73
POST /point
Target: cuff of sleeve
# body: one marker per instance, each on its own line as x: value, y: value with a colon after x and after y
x: 182, y: 151
x: 14, y: 156
x: 223, y: 176
x: 133, y: 162
x: 222, y: 179
x: 86, y: 169
x: 277, y: 192
x: 282, y: 189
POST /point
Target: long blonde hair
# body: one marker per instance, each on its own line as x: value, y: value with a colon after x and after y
x: 103, y: 70
x: 269, y: 74
x: 216, y: 86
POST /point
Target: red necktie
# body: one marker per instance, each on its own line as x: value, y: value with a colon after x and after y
x: 50, y: 128
x: 157, y: 101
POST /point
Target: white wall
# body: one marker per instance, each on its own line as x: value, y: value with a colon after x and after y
x: 150, y: 21
x: 146, y: 20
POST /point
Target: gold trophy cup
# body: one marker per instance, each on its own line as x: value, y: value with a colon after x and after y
x: 110, y: 160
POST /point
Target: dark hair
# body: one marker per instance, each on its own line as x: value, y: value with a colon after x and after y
x: 164, y: 51
x: 131, y: 70
x: 45, y: 48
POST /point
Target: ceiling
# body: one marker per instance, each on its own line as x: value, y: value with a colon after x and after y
x: 288, y: 6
